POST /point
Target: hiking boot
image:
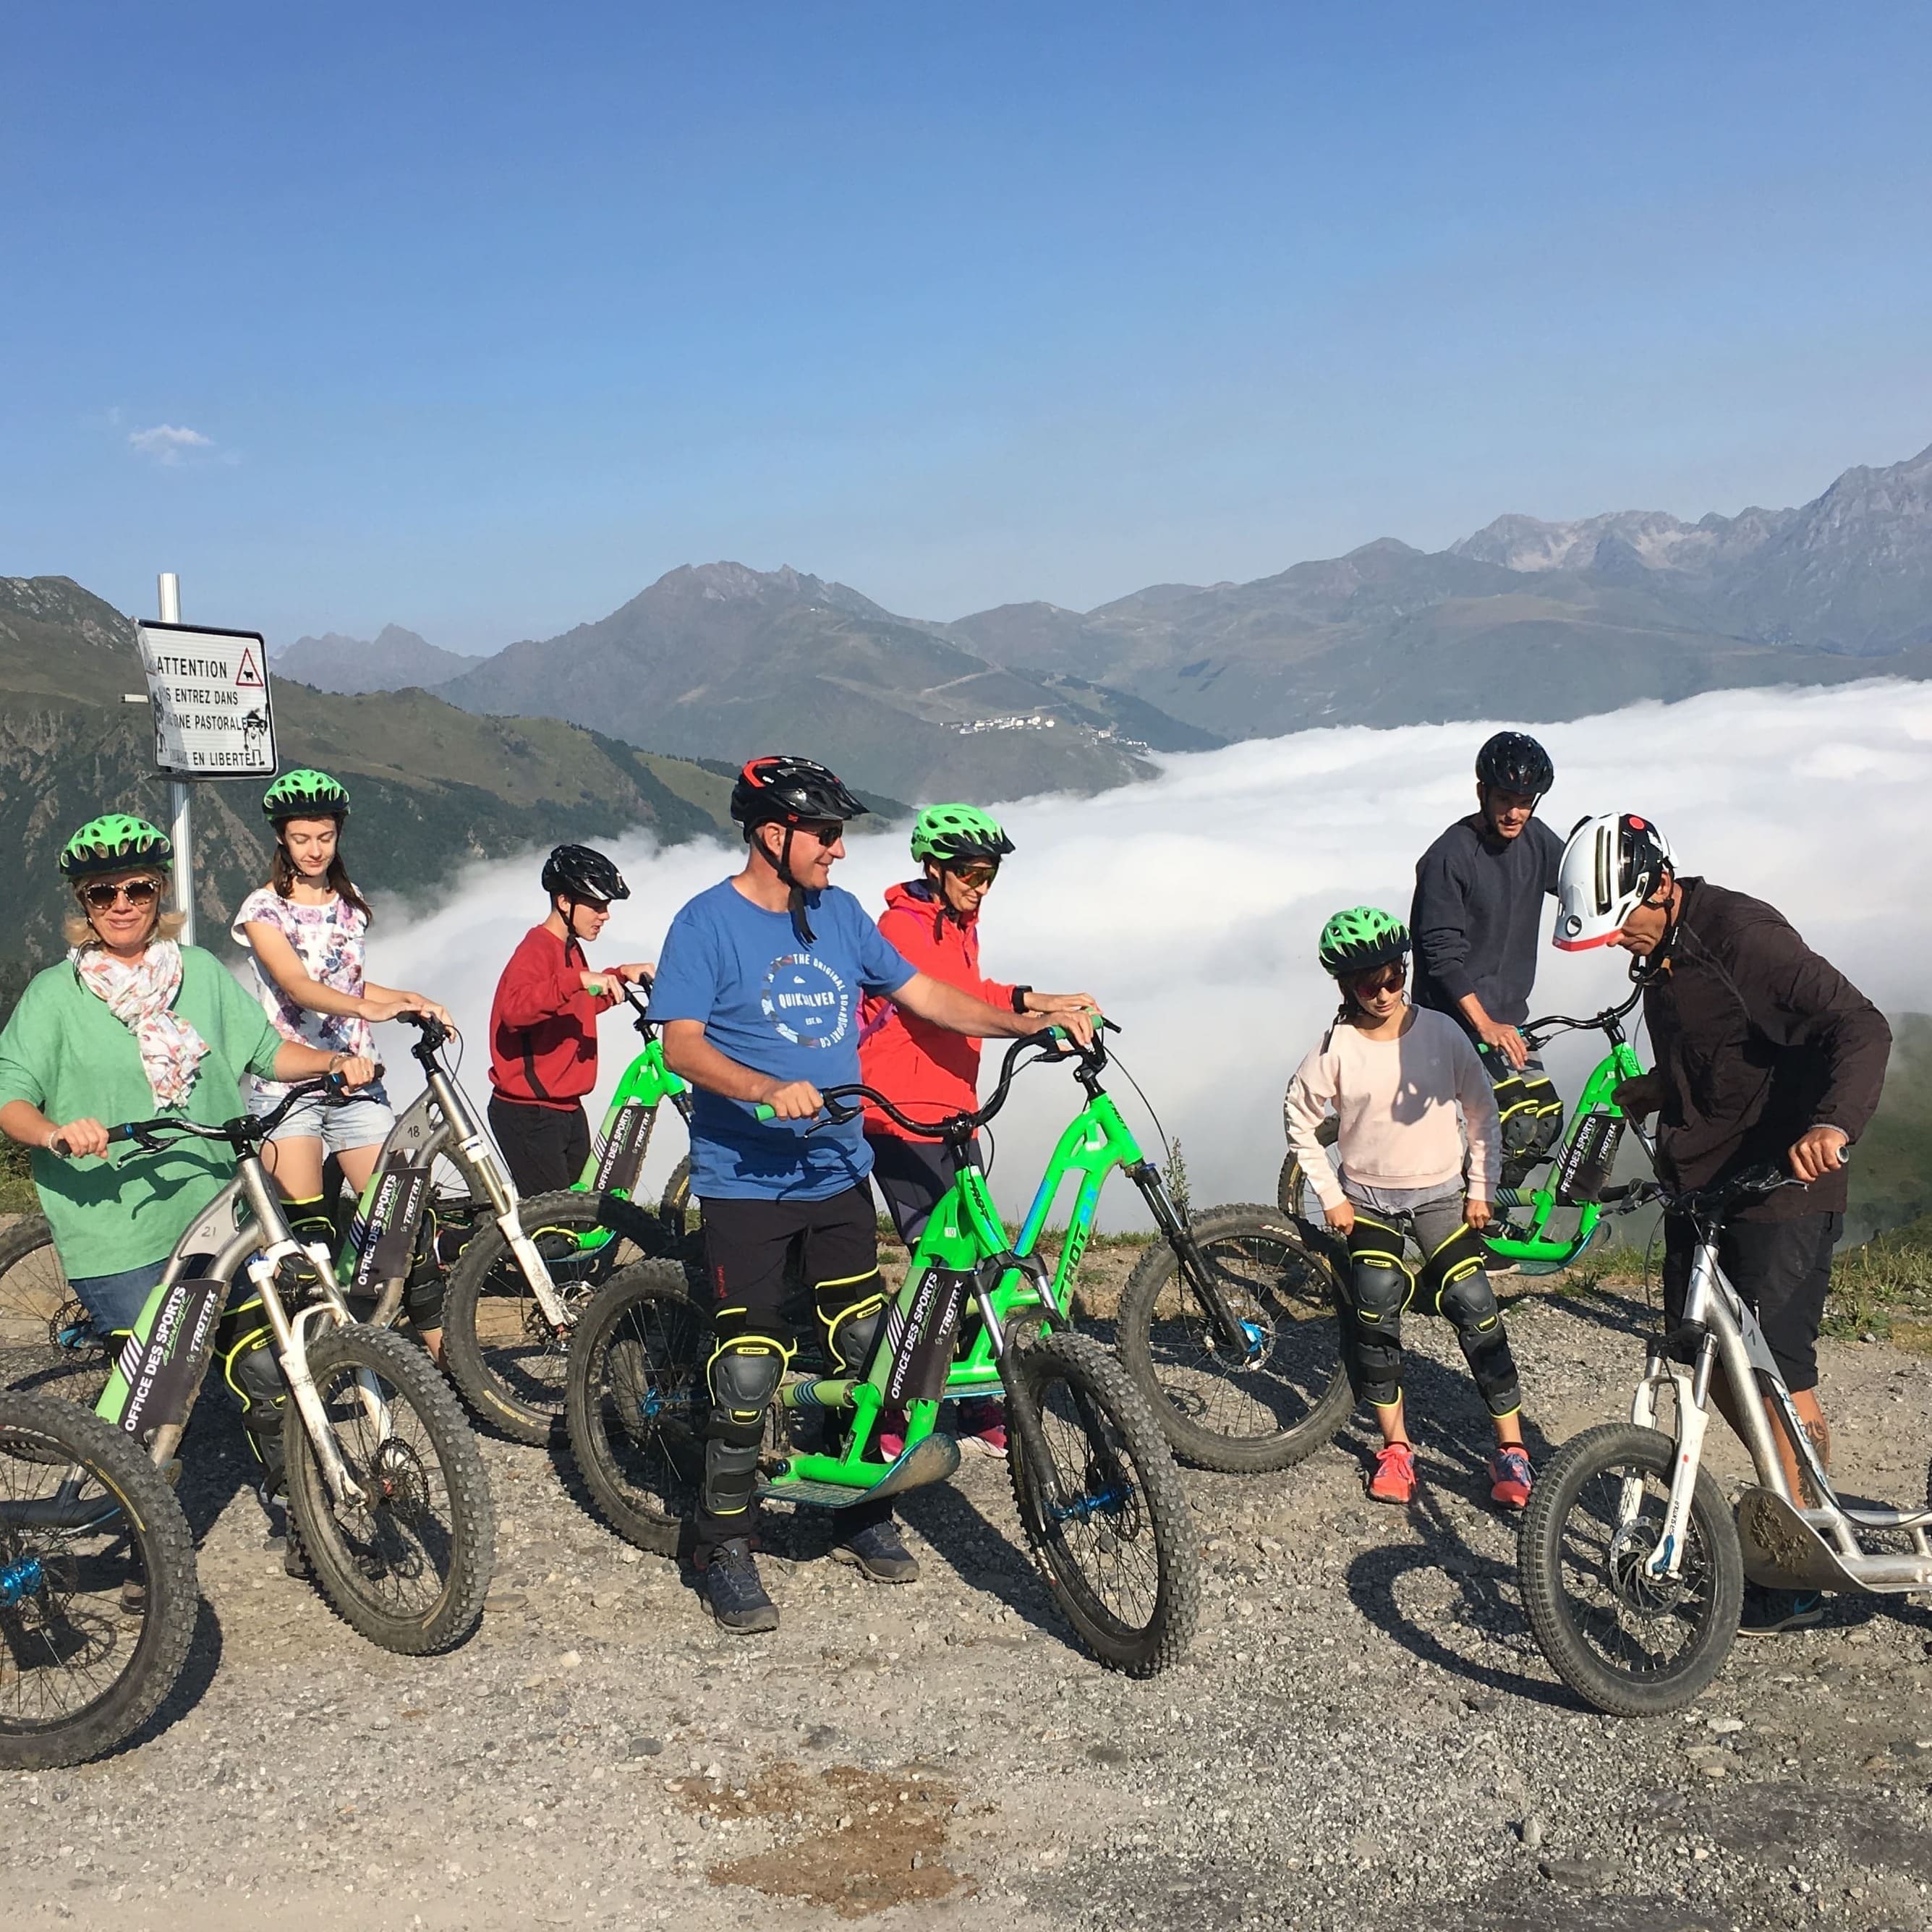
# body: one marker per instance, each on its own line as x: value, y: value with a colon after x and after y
x: 1766, y: 1613
x: 982, y: 1425
x: 878, y: 1551
x: 1393, y: 1479
x: 1510, y: 1480
x: 732, y: 1588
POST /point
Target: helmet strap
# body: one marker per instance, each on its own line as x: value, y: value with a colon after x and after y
x: 796, y: 903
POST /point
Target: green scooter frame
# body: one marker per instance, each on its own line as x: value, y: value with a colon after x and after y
x: 616, y: 1160
x: 964, y: 1252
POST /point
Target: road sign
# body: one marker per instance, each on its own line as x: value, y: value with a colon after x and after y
x: 210, y: 693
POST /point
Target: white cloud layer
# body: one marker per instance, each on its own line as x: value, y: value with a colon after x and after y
x: 168, y: 443
x: 1190, y: 904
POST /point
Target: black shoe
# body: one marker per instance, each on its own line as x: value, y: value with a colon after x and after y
x: 1766, y: 1613
x: 878, y: 1551
x: 732, y: 1588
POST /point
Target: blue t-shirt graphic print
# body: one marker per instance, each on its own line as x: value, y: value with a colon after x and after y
x: 770, y: 1001
x: 807, y: 1002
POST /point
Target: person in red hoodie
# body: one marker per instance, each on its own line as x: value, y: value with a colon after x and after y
x: 543, y: 1024
x: 933, y: 923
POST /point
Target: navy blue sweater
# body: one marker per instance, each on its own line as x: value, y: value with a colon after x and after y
x: 1478, y: 917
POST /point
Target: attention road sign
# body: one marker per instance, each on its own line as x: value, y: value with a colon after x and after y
x: 210, y: 693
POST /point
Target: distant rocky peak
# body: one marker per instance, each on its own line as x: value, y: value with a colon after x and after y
x: 725, y: 582
x: 59, y: 600
x: 1655, y: 538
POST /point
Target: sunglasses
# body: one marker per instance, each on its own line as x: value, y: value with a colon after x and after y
x: 975, y: 878
x: 1388, y: 980
x: 827, y: 832
x: 137, y: 892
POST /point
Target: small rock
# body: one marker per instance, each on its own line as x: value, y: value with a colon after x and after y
x: 1531, y: 1832
x: 570, y: 1660
x: 1724, y: 1725
x: 644, y: 1746
x: 1581, y: 1872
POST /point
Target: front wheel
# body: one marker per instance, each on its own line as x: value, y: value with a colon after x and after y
x: 503, y: 1350
x: 97, y: 1592
x: 1635, y: 1646
x: 1101, y: 1503
x: 47, y: 1343
x: 1280, y: 1395
x: 408, y: 1564
x: 637, y: 1402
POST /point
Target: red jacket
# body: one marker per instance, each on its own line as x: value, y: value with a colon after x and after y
x: 928, y: 1072
x: 543, y: 1024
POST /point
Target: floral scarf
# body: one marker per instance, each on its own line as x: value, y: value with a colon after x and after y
x: 139, y: 993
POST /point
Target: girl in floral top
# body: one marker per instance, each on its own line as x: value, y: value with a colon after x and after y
x: 305, y: 930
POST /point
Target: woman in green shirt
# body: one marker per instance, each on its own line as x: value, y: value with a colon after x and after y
x: 130, y: 1025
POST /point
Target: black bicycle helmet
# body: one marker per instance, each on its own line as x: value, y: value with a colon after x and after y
x: 1512, y: 761
x: 780, y: 790
x: 578, y: 873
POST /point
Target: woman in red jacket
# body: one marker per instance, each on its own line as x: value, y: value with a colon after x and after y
x: 543, y: 1024
x: 933, y: 922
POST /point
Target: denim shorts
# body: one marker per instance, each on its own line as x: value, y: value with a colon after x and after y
x: 363, y: 1119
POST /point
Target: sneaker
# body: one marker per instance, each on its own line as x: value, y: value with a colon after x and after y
x: 878, y: 1552
x: 1393, y: 1479
x: 1509, y: 1481
x: 1766, y: 1613
x: 982, y: 1425
x: 732, y: 1590
x: 890, y: 1440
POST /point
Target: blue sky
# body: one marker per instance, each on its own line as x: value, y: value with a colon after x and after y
x: 487, y: 315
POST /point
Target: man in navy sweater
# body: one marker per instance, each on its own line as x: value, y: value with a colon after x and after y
x: 1476, y: 919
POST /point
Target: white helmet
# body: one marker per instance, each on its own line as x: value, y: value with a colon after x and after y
x: 1611, y: 864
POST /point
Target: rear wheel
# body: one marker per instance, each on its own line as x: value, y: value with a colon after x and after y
x: 1634, y: 1645
x: 637, y: 1402
x: 511, y: 1364
x: 47, y: 1343
x: 675, y: 1204
x: 97, y: 1592
x: 1282, y: 1396
x: 1101, y: 1503
x: 408, y: 1565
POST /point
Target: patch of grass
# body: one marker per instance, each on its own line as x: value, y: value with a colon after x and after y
x: 16, y: 1183
x: 1884, y: 1287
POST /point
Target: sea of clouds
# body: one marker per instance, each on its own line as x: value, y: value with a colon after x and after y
x: 1189, y: 904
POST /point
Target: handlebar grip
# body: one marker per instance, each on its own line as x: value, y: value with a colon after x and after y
x: 766, y: 1110
x: 125, y: 1132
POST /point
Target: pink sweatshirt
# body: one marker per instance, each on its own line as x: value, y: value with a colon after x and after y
x: 1396, y: 1102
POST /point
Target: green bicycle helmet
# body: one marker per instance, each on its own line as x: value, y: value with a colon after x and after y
x: 304, y: 794
x: 948, y: 832
x: 1361, y: 939
x: 112, y: 844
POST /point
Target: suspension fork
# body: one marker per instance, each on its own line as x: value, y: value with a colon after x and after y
x: 291, y: 1354
x: 1692, y: 1388
x: 1231, y: 1335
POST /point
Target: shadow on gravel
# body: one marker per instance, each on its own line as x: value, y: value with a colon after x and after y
x: 1451, y: 1433
x: 217, y: 1466
x: 198, y: 1673
x: 985, y: 1557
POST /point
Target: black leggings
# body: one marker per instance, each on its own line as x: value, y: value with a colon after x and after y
x: 911, y: 1177
x: 1452, y: 1281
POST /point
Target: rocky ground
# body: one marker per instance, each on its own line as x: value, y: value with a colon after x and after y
x: 1364, y: 1735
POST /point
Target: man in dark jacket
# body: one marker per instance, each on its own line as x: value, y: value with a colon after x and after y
x: 1764, y: 1052
x: 1477, y: 910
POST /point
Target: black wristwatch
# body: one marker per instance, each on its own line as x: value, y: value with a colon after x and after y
x: 1020, y: 998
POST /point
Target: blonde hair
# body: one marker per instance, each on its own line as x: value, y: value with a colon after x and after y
x: 79, y: 929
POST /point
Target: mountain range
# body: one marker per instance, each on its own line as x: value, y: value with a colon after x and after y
x: 1525, y: 618
x: 392, y: 660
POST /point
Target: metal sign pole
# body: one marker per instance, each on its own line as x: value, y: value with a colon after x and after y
x: 181, y: 795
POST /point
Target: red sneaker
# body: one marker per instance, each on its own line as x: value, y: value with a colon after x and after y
x: 1392, y: 1480
x: 889, y: 1443
x: 1510, y: 1480
x: 982, y: 1425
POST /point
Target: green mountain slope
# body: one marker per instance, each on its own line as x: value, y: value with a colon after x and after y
x: 719, y: 660
x: 434, y: 786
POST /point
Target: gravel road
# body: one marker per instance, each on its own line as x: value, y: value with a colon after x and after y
x: 1364, y: 1735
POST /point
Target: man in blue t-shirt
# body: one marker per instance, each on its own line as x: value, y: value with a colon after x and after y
x: 757, y: 992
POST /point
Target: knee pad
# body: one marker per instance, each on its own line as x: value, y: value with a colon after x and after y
x: 1531, y: 1113
x: 851, y: 1328
x: 1469, y: 1303
x: 311, y: 1220
x: 745, y: 1373
x: 422, y: 1297
x: 248, y: 1366
x: 1379, y: 1287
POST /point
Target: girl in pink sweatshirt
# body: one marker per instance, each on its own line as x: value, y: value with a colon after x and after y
x: 1419, y: 1143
